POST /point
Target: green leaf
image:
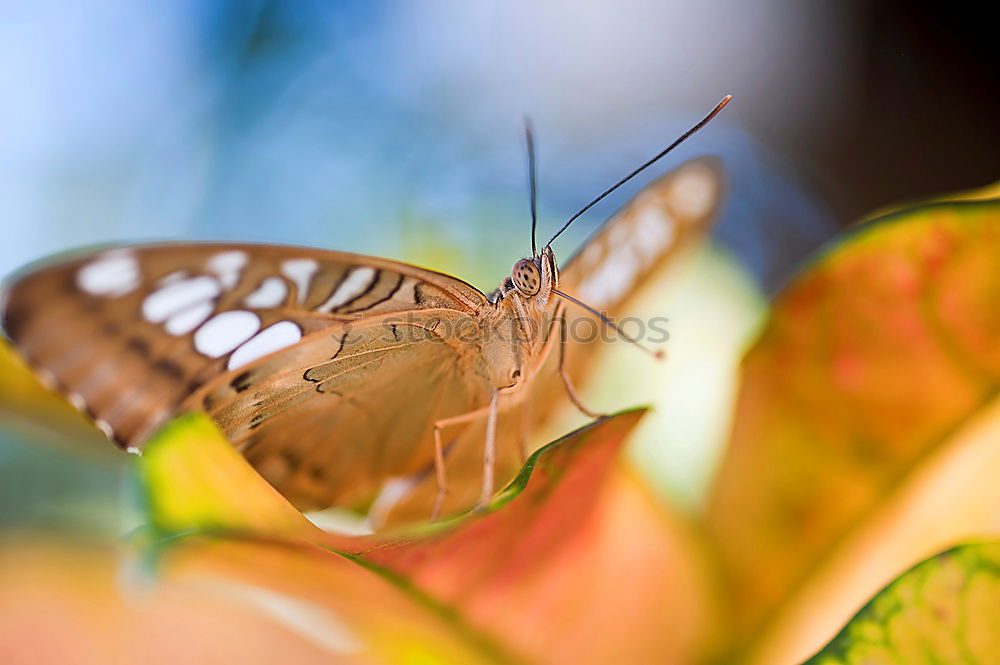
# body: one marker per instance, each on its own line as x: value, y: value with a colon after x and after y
x: 943, y: 610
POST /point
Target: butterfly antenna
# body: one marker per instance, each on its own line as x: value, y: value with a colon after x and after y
x: 704, y: 121
x: 532, y: 183
x: 656, y: 354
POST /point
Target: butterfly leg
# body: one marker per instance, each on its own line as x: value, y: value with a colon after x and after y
x: 565, y: 375
x: 439, y: 451
x: 490, y: 450
x: 442, y: 477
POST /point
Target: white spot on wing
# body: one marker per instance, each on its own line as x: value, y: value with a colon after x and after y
x: 228, y: 266
x: 609, y: 283
x: 271, y: 293
x: 105, y: 427
x: 225, y: 331
x: 177, y: 296
x: 76, y: 399
x: 692, y: 192
x: 632, y: 248
x: 592, y: 255
x: 47, y: 378
x: 280, y: 335
x: 189, y: 318
x: 621, y: 235
x: 300, y: 271
x: 113, y: 273
x: 654, y: 233
x: 351, y: 287
x: 173, y: 277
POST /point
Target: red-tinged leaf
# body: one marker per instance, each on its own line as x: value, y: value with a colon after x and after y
x: 563, y: 548
x: 864, y: 437
x: 575, y: 466
x: 575, y: 562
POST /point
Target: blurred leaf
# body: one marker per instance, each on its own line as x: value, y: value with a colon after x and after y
x: 194, y: 480
x: 217, y: 601
x: 374, y: 619
x: 20, y: 389
x: 991, y: 191
x: 866, y: 425
x: 71, y: 484
x: 562, y: 549
x: 575, y: 563
x: 942, y: 611
x: 715, y: 311
x: 28, y: 405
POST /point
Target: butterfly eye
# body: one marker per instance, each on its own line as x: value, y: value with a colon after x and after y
x: 527, y: 278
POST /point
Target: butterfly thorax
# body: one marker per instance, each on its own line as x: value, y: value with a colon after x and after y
x: 517, y: 334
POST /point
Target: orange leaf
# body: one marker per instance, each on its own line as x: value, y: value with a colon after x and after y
x: 581, y: 566
x: 218, y: 601
x: 870, y: 389
x: 561, y: 550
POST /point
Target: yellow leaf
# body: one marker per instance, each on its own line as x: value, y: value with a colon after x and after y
x: 194, y: 480
x: 991, y: 191
x: 27, y: 404
x: 863, y: 436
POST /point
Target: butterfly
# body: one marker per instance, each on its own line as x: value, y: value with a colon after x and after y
x: 346, y: 380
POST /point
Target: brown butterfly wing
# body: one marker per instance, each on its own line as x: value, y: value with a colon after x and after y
x: 630, y: 251
x: 664, y: 220
x: 123, y: 332
x: 328, y: 420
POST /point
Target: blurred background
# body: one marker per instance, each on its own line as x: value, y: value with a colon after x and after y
x: 394, y: 129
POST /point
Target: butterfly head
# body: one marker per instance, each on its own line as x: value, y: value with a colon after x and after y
x: 533, y: 278
x: 527, y: 277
